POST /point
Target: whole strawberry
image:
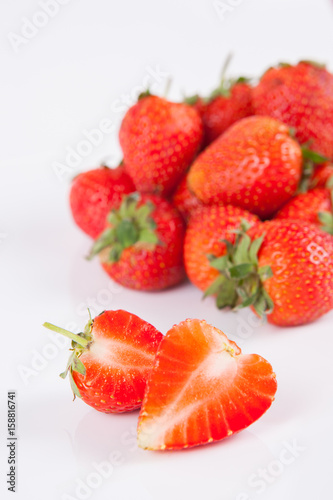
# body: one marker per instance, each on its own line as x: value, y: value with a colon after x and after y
x: 314, y: 206
x: 142, y: 244
x: 255, y: 165
x: 283, y: 268
x: 302, y: 97
x: 185, y: 201
x: 202, y: 389
x: 111, y: 360
x: 159, y: 140
x: 205, y: 240
x: 94, y: 193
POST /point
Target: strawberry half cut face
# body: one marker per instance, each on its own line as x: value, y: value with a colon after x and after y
x: 202, y: 389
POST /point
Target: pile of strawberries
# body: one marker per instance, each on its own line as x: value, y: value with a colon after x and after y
x: 234, y: 192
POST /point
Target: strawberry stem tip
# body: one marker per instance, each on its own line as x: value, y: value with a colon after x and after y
x: 240, y: 282
x: 73, y: 336
x: 80, y: 343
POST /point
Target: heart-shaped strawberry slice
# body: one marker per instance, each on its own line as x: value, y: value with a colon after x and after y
x: 202, y: 389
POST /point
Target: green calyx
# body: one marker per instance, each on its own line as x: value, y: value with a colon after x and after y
x: 310, y: 160
x: 144, y: 94
x: 80, y: 343
x: 225, y: 87
x: 326, y: 218
x: 240, y: 282
x: 315, y: 64
x: 191, y: 100
x: 131, y: 224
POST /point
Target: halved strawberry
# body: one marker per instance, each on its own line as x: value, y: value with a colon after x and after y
x: 202, y: 389
x: 111, y: 360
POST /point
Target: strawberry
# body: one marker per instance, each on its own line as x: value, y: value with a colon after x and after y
x: 322, y: 175
x: 94, y: 193
x: 314, y: 206
x: 204, y: 240
x: 226, y: 105
x: 302, y: 97
x: 111, y: 360
x: 202, y: 389
x: 185, y: 201
x: 159, y: 140
x: 142, y: 245
x: 281, y: 267
x: 255, y: 165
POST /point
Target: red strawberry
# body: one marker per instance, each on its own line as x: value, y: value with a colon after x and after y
x: 94, y: 193
x: 322, y: 175
x: 255, y: 165
x: 314, y: 206
x: 202, y: 389
x: 226, y: 106
x: 142, y: 245
x: 111, y: 360
x: 185, y: 201
x: 207, y: 229
x: 159, y: 140
x: 302, y: 97
x: 281, y: 267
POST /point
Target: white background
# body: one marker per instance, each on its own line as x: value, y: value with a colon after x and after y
x: 76, y: 70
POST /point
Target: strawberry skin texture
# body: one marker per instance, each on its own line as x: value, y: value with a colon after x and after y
x: 185, y: 201
x: 254, y: 165
x: 306, y: 206
x: 321, y: 175
x: 223, y: 111
x: 302, y: 97
x: 301, y: 258
x: 202, y: 389
x: 159, y: 140
x: 146, y: 267
x: 94, y: 193
x: 206, y: 228
x: 118, y: 362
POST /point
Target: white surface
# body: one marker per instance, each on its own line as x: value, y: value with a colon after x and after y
x: 77, y: 70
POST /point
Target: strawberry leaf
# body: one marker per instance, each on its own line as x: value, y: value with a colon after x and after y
x: 265, y: 272
x: 214, y: 287
x: 227, y: 295
x: 74, y: 387
x: 78, y: 366
x: 254, y: 249
x: 241, y: 270
x: 219, y: 263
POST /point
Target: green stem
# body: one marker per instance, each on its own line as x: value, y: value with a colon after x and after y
x: 73, y: 336
x: 225, y: 67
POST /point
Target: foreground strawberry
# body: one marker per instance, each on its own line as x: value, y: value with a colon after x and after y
x: 302, y: 97
x: 202, y: 389
x: 111, y: 360
x: 142, y: 245
x: 255, y: 165
x: 159, y: 140
x: 205, y: 237
x: 283, y: 268
x: 315, y: 206
x: 94, y: 193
